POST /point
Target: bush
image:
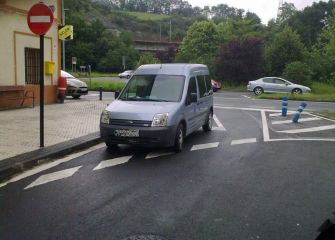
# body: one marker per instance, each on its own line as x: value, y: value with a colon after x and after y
x: 297, y: 72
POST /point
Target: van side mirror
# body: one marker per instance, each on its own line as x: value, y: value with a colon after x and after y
x: 116, y: 94
x: 193, y: 97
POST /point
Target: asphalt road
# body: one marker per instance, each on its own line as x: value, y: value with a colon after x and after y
x: 255, y: 176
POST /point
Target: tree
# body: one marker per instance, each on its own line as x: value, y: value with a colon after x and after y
x: 167, y: 56
x: 310, y: 22
x: 146, y: 58
x: 297, y: 72
x: 238, y: 29
x: 287, y: 10
x: 322, y: 57
x: 200, y: 44
x: 285, y: 48
x: 240, y: 61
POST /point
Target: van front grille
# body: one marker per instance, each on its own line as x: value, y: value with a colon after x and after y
x: 130, y: 123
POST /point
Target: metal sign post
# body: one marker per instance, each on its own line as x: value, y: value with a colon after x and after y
x: 41, y: 90
x: 40, y: 18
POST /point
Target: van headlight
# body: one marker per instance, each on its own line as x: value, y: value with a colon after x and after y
x: 160, y: 120
x: 104, y: 117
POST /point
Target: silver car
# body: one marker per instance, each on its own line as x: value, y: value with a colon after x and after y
x: 75, y: 87
x: 160, y: 105
x: 276, y: 85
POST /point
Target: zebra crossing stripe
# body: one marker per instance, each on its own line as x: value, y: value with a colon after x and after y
x: 53, y: 177
x: 112, y: 162
x: 204, y: 146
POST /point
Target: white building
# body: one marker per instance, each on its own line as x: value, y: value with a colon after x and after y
x: 19, y: 54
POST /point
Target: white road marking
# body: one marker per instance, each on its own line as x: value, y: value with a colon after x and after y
x: 304, y: 139
x: 243, y: 141
x: 158, y: 154
x: 266, y: 134
x: 301, y: 120
x: 217, y: 121
x: 313, y: 129
x: 112, y: 162
x: 55, y: 163
x: 279, y: 114
x: 246, y: 96
x: 53, y: 177
x: 204, y: 146
x: 246, y: 109
x: 324, y: 118
x: 219, y: 129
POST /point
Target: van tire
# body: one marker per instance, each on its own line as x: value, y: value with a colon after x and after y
x: 209, y: 123
x: 76, y: 96
x: 110, y: 145
x: 179, y: 138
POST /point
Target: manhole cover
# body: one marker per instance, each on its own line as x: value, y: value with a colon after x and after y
x: 144, y: 237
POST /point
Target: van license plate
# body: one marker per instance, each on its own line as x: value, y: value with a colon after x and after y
x: 126, y: 133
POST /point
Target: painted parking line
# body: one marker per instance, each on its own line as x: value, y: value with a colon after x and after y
x: 300, y: 120
x: 218, y: 123
x: 53, y: 177
x: 266, y: 134
x: 46, y: 166
x: 205, y: 146
x: 313, y: 129
x: 158, y: 154
x: 243, y: 141
x: 112, y: 162
x: 280, y: 114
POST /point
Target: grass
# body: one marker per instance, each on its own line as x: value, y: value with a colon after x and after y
x: 321, y: 92
x: 107, y: 86
x: 330, y: 115
x: 148, y: 16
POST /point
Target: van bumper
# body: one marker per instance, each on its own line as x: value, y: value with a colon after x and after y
x: 148, y: 136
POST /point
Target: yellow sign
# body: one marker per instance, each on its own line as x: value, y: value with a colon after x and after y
x: 65, y: 32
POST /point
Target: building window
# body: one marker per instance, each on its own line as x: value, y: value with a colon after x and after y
x: 32, y: 65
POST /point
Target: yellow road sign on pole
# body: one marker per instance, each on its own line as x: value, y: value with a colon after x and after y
x: 65, y: 32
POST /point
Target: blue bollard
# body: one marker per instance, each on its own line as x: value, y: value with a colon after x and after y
x: 298, y: 112
x: 284, y: 106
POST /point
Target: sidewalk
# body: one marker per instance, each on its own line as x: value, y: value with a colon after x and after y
x: 19, y: 128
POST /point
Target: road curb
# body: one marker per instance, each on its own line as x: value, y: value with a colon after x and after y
x: 17, y: 164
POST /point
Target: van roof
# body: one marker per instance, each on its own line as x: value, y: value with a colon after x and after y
x: 174, y: 69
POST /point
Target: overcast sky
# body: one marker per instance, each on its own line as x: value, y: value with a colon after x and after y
x: 265, y: 9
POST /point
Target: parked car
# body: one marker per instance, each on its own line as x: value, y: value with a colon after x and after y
x: 160, y: 105
x: 75, y: 87
x: 216, y: 85
x: 276, y: 85
x: 126, y: 74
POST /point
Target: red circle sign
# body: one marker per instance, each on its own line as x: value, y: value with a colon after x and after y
x: 40, y: 18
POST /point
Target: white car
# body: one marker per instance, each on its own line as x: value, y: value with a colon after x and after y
x: 126, y: 74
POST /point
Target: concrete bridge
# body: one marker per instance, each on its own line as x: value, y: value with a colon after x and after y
x: 153, y: 46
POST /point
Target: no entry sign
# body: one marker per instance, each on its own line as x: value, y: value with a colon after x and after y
x: 40, y: 18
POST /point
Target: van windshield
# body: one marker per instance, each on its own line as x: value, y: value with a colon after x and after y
x: 157, y: 88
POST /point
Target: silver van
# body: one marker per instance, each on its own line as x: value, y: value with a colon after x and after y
x: 160, y: 105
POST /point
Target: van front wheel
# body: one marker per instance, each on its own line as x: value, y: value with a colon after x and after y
x: 209, y: 123
x: 179, y: 139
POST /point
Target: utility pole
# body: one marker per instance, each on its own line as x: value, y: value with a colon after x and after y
x: 63, y: 41
x: 160, y: 32
x: 170, y: 29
